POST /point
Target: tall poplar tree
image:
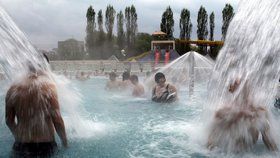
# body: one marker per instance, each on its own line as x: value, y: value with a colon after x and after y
x: 185, y: 25
x: 212, y: 26
x: 167, y: 23
x: 101, y: 34
x: 228, y: 14
x: 90, y: 32
x: 109, y: 23
x: 121, y: 36
x: 131, y: 26
x: 202, y: 22
x: 128, y: 26
x: 133, y: 19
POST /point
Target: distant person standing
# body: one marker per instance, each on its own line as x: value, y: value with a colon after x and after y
x: 33, y: 115
x: 138, y: 89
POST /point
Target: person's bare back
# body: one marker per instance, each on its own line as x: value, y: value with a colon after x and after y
x: 32, y: 111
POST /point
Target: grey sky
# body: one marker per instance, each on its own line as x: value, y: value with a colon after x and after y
x: 47, y: 21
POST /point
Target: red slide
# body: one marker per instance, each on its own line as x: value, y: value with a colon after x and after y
x: 157, y: 57
x: 167, y: 57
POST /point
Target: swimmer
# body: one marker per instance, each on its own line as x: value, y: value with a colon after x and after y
x: 163, y: 92
x: 138, y: 89
x: 112, y: 84
x: 126, y: 83
x: 33, y: 115
x: 236, y: 127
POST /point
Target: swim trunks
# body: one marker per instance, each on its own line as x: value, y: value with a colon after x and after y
x: 42, y: 149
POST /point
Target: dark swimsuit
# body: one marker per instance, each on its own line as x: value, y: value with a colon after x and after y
x: 164, y: 98
x: 42, y: 149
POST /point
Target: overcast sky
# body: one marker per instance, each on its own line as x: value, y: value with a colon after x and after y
x: 47, y: 21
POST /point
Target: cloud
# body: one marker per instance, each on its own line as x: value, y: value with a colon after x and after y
x: 47, y: 21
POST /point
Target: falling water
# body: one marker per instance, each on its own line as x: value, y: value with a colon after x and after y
x: 17, y: 53
x: 186, y: 71
x: 251, y: 53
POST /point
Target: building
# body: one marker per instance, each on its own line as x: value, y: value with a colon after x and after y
x: 71, y: 49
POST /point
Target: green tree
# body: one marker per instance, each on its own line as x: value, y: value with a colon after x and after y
x: 121, y: 36
x: 109, y: 23
x: 90, y: 31
x: 131, y: 26
x: 228, y: 14
x: 185, y: 25
x: 202, y: 23
x: 202, y: 31
x: 133, y: 19
x: 101, y: 34
x: 128, y: 26
x: 143, y: 42
x: 212, y: 26
x: 167, y: 23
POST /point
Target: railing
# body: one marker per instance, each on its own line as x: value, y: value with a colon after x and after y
x: 102, y: 66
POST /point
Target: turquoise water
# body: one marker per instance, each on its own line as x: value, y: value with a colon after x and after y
x: 120, y: 126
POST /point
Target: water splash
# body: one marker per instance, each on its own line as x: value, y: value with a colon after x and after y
x: 16, y: 56
x: 186, y: 71
x: 251, y: 54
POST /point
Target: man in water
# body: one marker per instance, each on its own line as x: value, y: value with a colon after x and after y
x: 236, y: 127
x: 138, y: 89
x: 33, y: 115
x: 163, y: 92
x: 126, y: 83
x: 112, y: 84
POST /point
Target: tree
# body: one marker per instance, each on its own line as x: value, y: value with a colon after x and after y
x: 185, y: 25
x: 131, y: 26
x: 133, y: 19
x: 202, y: 23
x: 202, y: 31
x: 167, y: 23
x: 101, y: 34
x: 227, y: 17
x: 212, y: 26
x: 121, y: 36
x: 143, y: 42
x: 90, y: 31
x: 109, y: 23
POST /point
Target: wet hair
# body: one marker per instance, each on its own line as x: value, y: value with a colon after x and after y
x: 134, y: 78
x: 158, y: 76
x: 125, y: 75
x: 113, y: 75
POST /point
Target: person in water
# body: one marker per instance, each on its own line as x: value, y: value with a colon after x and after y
x: 236, y: 126
x: 33, y: 115
x: 112, y: 84
x: 126, y: 83
x: 163, y: 92
x: 138, y: 89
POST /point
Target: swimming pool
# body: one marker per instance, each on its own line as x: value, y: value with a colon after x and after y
x: 117, y: 125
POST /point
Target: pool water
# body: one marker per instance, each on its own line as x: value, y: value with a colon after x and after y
x: 117, y: 125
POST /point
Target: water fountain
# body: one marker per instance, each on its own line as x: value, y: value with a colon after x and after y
x: 16, y: 54
x: 185, y: 71
x: 251, y: 54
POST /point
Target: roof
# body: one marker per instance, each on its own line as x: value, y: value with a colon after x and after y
x: 156, y: 33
